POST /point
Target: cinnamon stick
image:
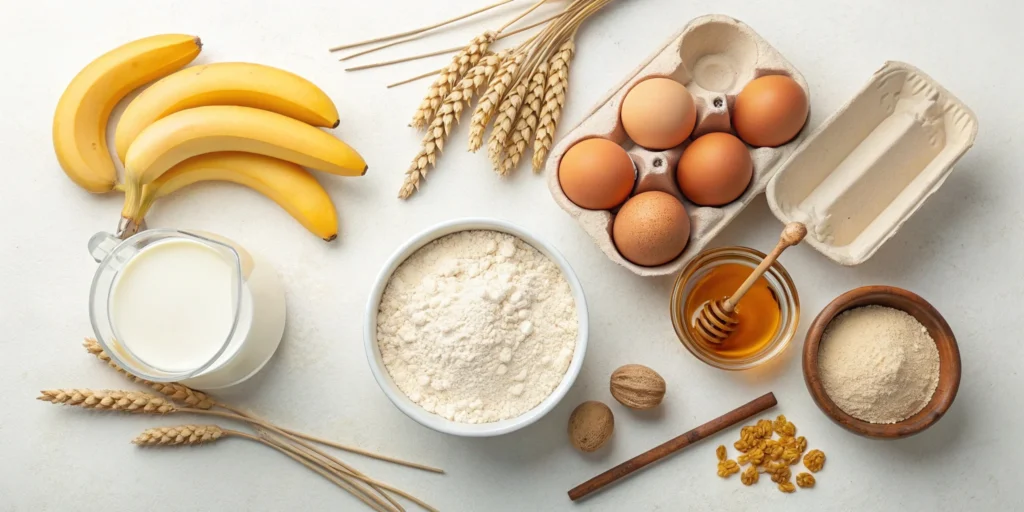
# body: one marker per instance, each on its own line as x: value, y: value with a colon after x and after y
x: 753, y: 408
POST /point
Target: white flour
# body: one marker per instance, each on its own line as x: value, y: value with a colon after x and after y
x: 878, y: 364
x: 477, y: 327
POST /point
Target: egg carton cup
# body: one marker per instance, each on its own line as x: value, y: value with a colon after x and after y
x: 872, y: 164
x: 714, y: 56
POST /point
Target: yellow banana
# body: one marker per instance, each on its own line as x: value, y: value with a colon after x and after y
x: 80, y: 122
x: 200, y: 130
x: 226, y: 83
x: 287, y: 184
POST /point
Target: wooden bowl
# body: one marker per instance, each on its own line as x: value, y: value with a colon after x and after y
x: 938, y: 329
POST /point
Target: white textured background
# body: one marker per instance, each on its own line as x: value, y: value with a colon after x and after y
x: 959, y: 252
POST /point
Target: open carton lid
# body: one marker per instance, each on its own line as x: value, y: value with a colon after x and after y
x: 861, y: 174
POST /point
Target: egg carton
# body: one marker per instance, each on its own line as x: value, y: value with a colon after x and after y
x: 714, y: 56
x: 871, y: 165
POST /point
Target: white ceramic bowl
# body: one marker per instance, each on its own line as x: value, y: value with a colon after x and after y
x: 434, y: 421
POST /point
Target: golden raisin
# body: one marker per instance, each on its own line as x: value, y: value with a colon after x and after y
x: 741, y: 446
x: 728, y: 467
x: 779, y: 424
x: 789, y: 429
x: 814, y: 460
x: 805, y: 480
x: 750, y: 476
x: 749, y: 432
x: 791, y: 456
x: 721, y: 453
x: 756, y: 456
x: 781, y: 475
x: 787, y: 487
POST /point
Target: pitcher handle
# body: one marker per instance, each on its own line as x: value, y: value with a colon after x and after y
x: 101, y: 245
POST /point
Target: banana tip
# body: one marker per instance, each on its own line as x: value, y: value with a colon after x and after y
x: 199, y: 42
x: 365, y: 168
x: 336, y: 123
x: 331, y: 238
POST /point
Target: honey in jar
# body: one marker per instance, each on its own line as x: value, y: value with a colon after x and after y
x: 758, y: 312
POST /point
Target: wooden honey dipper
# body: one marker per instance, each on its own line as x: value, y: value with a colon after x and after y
x: 718, y: 319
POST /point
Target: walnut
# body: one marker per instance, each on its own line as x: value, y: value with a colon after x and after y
x: 637, y: 386
x: 787, y: 487
x: 590, y: 426
x: 721, y: 453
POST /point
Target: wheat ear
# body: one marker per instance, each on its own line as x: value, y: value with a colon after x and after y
x: 492, y: 96
x: 109, y: 400
x: 449, y: 77
x: 173, y: 390
x: 440, y: 127
x: 180, y: 435
x: 554, y: 101
x: 526, y: 122
x: 506, y: 115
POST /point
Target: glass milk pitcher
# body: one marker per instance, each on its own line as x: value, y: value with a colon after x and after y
x: 193, y: 307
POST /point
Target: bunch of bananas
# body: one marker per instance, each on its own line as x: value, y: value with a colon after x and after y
x: 245, y: 123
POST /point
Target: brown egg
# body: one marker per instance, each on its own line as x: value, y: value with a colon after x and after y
x: 596, y: 174
x: 658, y: 113
x: 770, y: 111
x: 651, y: 229
x: 715, y: 169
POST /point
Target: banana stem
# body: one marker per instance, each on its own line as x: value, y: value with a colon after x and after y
x: 149, y: 196
x: 132, y: 199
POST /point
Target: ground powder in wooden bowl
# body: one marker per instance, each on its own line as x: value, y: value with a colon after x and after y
x: 878, y: 364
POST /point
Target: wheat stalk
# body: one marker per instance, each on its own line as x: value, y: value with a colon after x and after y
x: 195, y: 435
x: 449, y: 77
x: 173, y: 390
x: 416, y: 31
x: 109, y: 400
x: 199, y: 400
x: 440, y: 127
x: 492, y: 96
x: 526, y: 122
x: 180, y: 435
x: 554, y: 101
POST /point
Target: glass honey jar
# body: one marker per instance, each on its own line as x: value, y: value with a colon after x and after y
x: 768, y: 314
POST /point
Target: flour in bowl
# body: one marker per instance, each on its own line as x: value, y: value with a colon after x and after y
x: 477, y: 326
